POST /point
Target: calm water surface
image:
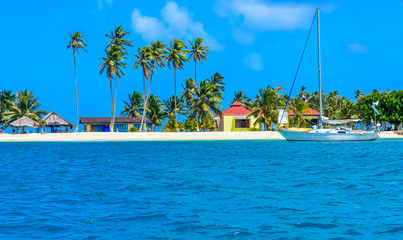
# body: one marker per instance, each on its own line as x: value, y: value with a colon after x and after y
x: 202, y: 190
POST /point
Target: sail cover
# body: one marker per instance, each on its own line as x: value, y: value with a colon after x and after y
x: 341, y: 121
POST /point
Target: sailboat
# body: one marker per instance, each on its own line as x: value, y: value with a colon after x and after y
x: 321, y: 134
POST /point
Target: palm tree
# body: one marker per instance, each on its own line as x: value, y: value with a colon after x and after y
x: 218, y: 82
x: 241, y: 97
x: 267, y: 103
x: 298, y: 106
x: 25, y: 105
x: 302, y: 93
x: 157, y: 57
x: 76, y: 42
x: 134, y: 106
x: 6, y: 100
x: 176, y: 58
x: 143, y: 60
x: 207, y: 101
x: 198, y: 52
x: 116, y: 37
x: 174, y: 105
x: 155, y: 111
x: 358, y: 94
x: 187, y: 94
x: 112, y: 66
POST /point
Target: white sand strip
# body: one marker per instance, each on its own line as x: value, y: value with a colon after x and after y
x: 150, y: 136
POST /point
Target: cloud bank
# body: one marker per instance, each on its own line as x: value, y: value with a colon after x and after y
x: 175, y: 22
x: 250, y: 17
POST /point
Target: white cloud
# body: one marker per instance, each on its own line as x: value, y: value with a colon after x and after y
x: 175, y: 23
x: 254, y: 61
x: 357, y: 48
x: 250, y: 17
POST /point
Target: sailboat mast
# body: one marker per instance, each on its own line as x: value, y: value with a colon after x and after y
x: 320, y: 80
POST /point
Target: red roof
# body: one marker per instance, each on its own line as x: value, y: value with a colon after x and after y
x: 236, y: 109
x: 308, y: 112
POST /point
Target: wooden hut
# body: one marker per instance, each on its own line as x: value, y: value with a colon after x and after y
x: 24, y: 122
x: 54, y: 120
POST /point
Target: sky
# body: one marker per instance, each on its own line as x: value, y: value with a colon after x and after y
x: 254, y: 43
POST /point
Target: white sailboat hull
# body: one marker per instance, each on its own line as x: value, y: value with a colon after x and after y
x: 324, y: 136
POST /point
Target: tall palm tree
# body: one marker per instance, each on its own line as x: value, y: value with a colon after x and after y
x: 198, y: 52
x: 358, y: 94
x: 6, y: 100
x: 176, y: 58
x: 157, y: 57
x: 189, y: 90
x: 134, y: 106
x: 207, y: 102
x: 117, y: 38
x: 155, y: 111
x: 143, y: 60
x: 76, y: 42
x: 112, y: 66
x: 25, y: 105
x: 174, y: 105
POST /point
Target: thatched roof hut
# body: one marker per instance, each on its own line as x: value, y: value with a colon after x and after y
x: 55, y: 120
x: 23, y: 122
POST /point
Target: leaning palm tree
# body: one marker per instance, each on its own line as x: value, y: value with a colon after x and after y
x: 198, y: 52
x: 143, y: 61
x: 176, y: 58
x: 25, y: 105
x: 76, y: 42
x: 112, y: 66
x: 206, y: 104
x: 117, y: 38
x: 134, y: 106
x: 156, y: 112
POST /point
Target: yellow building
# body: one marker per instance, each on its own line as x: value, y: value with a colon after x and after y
x: 101, y: 124
x: 236, y: 118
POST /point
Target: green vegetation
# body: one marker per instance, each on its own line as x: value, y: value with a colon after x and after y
x: 23, y: 104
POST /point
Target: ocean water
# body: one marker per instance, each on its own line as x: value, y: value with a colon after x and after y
x: 202, y: 190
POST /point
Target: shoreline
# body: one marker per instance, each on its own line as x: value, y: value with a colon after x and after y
x: 152, y: 136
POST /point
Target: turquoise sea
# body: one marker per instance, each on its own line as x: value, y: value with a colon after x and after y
x: 202, y: 190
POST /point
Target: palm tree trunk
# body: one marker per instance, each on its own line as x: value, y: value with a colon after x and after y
x: 111, y: 126
x: 195, y: 74
x: 114, y: 101
x: 144, y: 103
x: 176, y: 119
x: 75, y: 80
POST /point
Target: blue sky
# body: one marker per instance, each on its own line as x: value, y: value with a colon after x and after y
x: 254, y: 43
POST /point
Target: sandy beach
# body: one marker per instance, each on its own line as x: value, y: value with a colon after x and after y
x: 150, y: 136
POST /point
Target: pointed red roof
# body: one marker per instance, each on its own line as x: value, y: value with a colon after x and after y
x: 236, y: 109
x: 307, y: 112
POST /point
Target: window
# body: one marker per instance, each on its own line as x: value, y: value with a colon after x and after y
x: 121, y: 128
x: 242, y: 123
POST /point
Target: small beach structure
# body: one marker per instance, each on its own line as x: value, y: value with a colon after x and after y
x: 24, y: 122
x: 235, y: 118
x: 310, y: 114
x: 54, y: 120
x: 101, y: 124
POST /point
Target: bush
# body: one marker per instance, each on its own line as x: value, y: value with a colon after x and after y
x: 133, y: 129
x: 253, y: 129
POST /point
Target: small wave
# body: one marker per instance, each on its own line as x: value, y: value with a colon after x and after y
x: 236, y: 234
x: 393, y: 230
x: 314, y: 225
